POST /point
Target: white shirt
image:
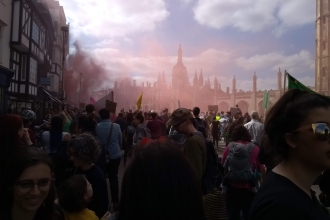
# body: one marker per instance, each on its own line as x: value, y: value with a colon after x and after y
x: 46, y: 139
x: 256, y: 130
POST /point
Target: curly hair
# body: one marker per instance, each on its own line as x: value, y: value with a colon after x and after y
x: 86, y: 147
x: 240, y: 133
x: 71, y: 193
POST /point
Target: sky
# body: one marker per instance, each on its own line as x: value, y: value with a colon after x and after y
x: 223, y: 38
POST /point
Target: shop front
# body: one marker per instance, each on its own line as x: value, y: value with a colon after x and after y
x: 5, y: 77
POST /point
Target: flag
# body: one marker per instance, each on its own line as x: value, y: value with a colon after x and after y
x: 91, y: 100
x: 265, y: 100
x: 295, y: 84
x: 139, y: 101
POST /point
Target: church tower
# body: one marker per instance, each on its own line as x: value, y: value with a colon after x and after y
x: 322, y: 58
x: 279, y: 79
x: 179, y: 73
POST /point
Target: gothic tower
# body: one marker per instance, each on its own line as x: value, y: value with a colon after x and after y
x: 279, y: 79
x: 179, y: 73
x: 201, y: 79
x: 195, y: 80
x: 322, y: 58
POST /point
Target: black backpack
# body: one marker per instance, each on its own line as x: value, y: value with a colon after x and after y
x: 200, y: 126
x: 211, y: 173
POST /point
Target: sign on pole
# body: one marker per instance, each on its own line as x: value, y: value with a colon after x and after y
x: 45, y: 81
x: 111, y: 106
x: 265, y: 100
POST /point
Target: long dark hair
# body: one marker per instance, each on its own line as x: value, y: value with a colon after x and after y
x: 160, y: 184
x: 27, y: 157
x: 55, y: 132
x: 285, y: 116
x: 87, y: 124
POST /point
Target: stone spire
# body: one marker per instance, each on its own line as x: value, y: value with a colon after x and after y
x: 254, y: 82
x: 216, y: 84
x: 234, y: 85
x: 180, y: 55
x: 195, y: 79
x: 201, y: 79
x: 279, y: 79
x: 163, y: 78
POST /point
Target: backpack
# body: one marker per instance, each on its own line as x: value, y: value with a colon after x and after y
x: 238, y: 162
x: 211, y: 173
x: 130, y: 129
x: 200, y: 126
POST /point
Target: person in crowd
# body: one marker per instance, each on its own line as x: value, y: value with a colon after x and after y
x: 122, y: 123
x: 160, y: 184
x: 54, y: 136
x: 90, y: 110
x: 200, y: 124
x: 87, y: 124
x: 141, y: 132
x: 29, y: 118
x: 194, y: 148
x: 255, y: 128
x: 67, y: 120
x: 238, y: 120
x: 240, y: 163
x: 129, y: 133
x: 164, y: 117
x: 296, y: 132
x: 176, y: 137
x: 110, y: 136
x: 155, y: 126
x: 29, y: 189
x: 215, y: 130
x: 84, y: 151
x: 74, y: 195
x: 12, y: 137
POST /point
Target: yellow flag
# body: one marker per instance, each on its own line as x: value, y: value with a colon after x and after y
x: 139, y: 101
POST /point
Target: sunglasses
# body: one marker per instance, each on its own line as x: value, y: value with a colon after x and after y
x: 320, y: 130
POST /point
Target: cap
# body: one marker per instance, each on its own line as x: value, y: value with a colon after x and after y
x: 28, y: 114
x: 179, y: 115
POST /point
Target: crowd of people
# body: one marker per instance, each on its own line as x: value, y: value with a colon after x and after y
x: 58, y: 169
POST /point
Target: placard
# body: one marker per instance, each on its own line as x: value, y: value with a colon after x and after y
x: 213, y: 108
x: 111, y: 106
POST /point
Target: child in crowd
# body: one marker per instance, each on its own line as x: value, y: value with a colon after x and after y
x: 74, y: 195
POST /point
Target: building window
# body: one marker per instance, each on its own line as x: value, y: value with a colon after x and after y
x: 23, y: 68
x: 42, y: 40
x: 1, y: 48
x: 33, y: 71
x: 323, y: 20
x: 324, y: 45
x: 35, y: 32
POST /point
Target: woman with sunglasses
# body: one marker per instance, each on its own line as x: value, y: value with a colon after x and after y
x: 297, y: 134
x: 30, y: 192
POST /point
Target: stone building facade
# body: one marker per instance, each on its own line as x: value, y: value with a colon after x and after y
x: 159, y: 95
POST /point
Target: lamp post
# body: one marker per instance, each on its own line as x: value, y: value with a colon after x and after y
x: 65, y: 30
x: 79, y: 88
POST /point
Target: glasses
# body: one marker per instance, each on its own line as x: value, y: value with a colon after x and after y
x: 26, y: 186
x: 320, y: 130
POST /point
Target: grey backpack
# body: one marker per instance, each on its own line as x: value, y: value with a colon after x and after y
x: 238, y: 162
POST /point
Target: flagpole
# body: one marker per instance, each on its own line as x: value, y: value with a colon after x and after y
x: 285, y: 75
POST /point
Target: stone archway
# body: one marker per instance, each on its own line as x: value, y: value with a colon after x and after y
x: 223, y: 106
x: 244, y: 106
